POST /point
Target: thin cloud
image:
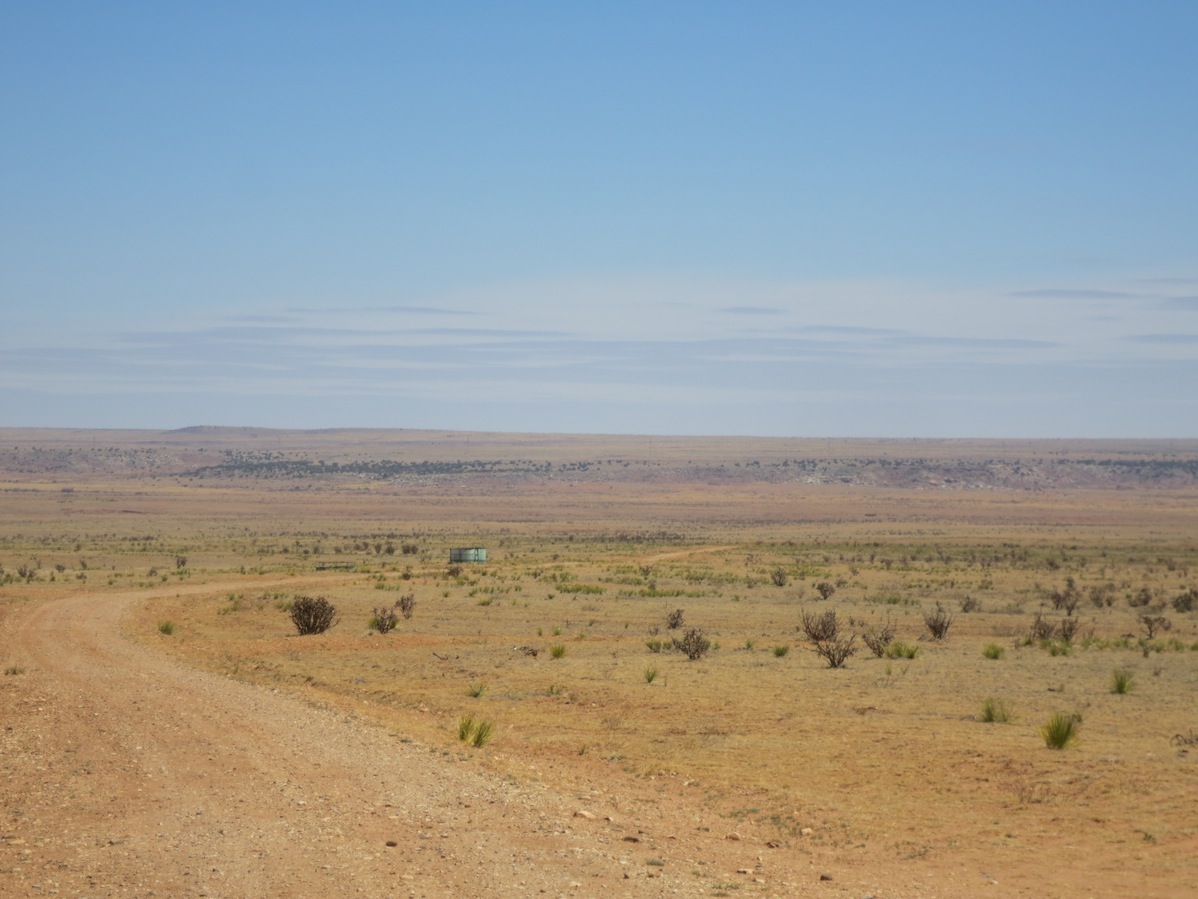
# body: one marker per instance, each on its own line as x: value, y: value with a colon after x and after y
x: 246, y: 334
x: 752, y: 310
x: 1182, y: 302
x: 1163, y: 338
x: 263, y: 319
x: 992, y: 343
x: 490, y: 332
x: 1079, y: 294
x: 848, y: 331
x: 416, y: 310
x: 374, y: 310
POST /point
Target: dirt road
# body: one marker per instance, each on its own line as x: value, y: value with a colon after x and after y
x: 125, y: 773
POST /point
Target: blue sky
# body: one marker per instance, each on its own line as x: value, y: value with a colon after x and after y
x: 852, y: 219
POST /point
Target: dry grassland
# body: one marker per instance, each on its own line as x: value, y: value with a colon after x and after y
x: 561, y: 639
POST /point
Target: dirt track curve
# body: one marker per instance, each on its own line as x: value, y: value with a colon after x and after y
x: 126, y: 773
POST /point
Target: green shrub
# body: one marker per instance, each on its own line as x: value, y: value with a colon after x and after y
x: 1121, y: 681
x: 993, y: 651
x: 900, y: 650
x: 995, y: 711
x: 166, y: 627
x: 781, y: 651
x: 557, y: 650
x: 590, y: 589
x: 650, y: 674
x: 1061, y: 730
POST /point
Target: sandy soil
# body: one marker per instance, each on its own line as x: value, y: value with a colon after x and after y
x: 128, y: 774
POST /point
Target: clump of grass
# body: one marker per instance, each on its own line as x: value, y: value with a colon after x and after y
x: 781, y: 651
x: 993, y: 651
x: 166, y: 627
x: 1121, y: 681
x: 557, y: 650
x: 483, y: 732
x: 750, y: 644
x: 650, y: 674
x: 995, y: 711
x: 476, y: 690
x: 13, y: 670
x: 466, y: 726
x: 475, y: 732
x: 900, y: 650
x: 1061, y: 730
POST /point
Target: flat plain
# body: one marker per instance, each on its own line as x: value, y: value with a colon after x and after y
x: 145, y: 627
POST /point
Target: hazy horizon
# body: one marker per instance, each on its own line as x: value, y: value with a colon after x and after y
x: 677, y: 220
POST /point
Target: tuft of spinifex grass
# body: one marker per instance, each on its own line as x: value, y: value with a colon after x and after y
x: 475, y: 732
x: 995, y: 711
x: 1061, y: 730
x: 900, y: 650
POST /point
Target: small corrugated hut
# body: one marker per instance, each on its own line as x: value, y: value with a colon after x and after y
x: 468, y: 554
